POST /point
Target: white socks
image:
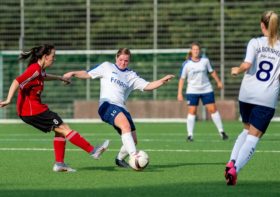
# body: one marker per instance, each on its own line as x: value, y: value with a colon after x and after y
x: 217, y: 121
x: 190, y: 124
x: 128, y: 143
x: 122, y: 153
x: 238, y: 143
x: 246, y: 151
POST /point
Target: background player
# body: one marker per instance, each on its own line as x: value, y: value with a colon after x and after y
x: 117, y: 82
x: 32, y: 111
x: 196, y: 69
x: 258, y: 93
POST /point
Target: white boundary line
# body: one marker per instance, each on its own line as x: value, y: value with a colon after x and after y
x: 139, y: 120
x: 144, y: 120
x: 148, y: 150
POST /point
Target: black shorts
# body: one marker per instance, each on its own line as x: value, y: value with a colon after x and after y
x: 45, y: 121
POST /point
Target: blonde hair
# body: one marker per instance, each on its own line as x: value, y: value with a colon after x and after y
x: 271, y: 23
x: 189, y: 54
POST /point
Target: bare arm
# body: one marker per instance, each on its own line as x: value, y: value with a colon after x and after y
x: 180, y: 89
x: 13, y: 88
x: 156, y: 84
x: 217, y: 79
x: 50, y: 77
x: 79, y: 74
x: 241, y: 69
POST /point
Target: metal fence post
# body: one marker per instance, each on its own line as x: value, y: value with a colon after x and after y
x: 1, y: 84
x: 88, y: 47
x: 222, y: 49
x: 155, y: 46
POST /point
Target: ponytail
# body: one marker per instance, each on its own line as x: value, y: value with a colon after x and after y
x: 271, y: 23
x: 36, y: 53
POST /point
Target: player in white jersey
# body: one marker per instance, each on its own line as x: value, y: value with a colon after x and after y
x: 117, y: 81
x: 196, y: 70
x: 258, y: 93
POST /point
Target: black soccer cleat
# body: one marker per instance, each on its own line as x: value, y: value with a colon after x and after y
x: 190, y: 138
x: 224, y: 136
x: 122, y: 163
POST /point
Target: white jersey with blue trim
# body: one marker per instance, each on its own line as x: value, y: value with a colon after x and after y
x: 197, y: 76
x: 116, y: 84
x: 260, y: 84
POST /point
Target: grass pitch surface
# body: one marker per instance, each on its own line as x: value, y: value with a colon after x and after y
x: 177, y: 167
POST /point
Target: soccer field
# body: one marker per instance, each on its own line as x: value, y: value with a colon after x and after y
x: 177, y: 167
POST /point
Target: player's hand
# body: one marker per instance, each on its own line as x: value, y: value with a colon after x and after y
x: 234, y: 71
x: 167, y: 78
x: 4, y: 103
x: 68, y: 75
x: 66, y: 81
x: 220, y: 85
x: 180, y: 97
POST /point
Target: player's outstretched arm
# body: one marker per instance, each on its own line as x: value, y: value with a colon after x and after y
x: 241, y: 69
x: 12, y: 90
x: 82, y: 74
x: 51, y: 77
x: 156, y: 84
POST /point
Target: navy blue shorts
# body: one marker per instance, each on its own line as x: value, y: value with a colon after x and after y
x: 108, y: 113
x: 257, y: 115
x: 206, y: 98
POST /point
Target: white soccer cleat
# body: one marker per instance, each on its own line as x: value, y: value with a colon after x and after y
x: 98, y: 150
x: 62, y: 167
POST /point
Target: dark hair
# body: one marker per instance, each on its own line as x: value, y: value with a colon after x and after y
x: 271, y: 23
x: 189, y: 54
x: 122, y: 51
x: 36, y: 53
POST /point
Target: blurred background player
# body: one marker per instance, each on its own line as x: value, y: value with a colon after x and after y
x: 258, y: 92
x: 117, y: 81
x: 33, y: 112
x: 196, y: 69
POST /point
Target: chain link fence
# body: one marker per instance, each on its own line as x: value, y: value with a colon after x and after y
x: 222, y: 27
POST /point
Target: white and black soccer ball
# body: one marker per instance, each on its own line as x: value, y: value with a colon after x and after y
x: 139, y: 160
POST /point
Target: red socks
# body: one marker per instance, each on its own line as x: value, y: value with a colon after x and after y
x: 59, y: 149
x: 76, y: 139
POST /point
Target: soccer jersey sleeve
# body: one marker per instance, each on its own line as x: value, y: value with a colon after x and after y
x: 97, y: 71
x: 28, y: 75
x: 138, y: 83
x: 183, y: 72
x: 209, y: 67
x: 251, y: 52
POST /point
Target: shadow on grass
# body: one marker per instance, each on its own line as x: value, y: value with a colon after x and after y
x: 206, y: 189
x: 150, y: 168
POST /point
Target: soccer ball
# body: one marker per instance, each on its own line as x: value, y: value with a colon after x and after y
x: 139, y: 160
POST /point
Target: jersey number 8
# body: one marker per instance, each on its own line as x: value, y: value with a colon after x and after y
x: 264, y: 73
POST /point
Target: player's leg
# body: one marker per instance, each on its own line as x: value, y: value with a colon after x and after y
x: 208, y: 100
x: 75, y: 138
x: 216, y: 118
x: 59, y: 144
x: 123, y: 124
x: 259, y: 120
x: 245, y: 112
x: 123, y: 153
x: 191, y: 121
x: 192, y: 100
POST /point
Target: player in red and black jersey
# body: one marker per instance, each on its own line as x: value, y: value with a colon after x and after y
x: 32, y: 111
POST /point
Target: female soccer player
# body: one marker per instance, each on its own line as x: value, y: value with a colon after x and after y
x: 117, y: 81
x: 258, y: 92
x: 32, y: 111
x: 196, y: 69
